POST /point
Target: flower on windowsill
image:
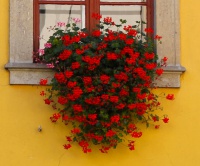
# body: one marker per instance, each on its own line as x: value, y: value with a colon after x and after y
x: 102, y: 83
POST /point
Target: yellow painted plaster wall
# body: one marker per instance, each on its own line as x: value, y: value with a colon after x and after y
x: 176, y: 144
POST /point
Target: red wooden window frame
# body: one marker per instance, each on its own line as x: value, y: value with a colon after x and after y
x: 91, y: 6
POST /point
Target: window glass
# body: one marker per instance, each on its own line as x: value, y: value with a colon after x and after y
x: 60, y: 15
x: 61, y: 0
x: 123, y: 1
x: 131, y: 13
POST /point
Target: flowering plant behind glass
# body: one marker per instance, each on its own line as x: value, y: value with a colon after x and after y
x: 102, y: 82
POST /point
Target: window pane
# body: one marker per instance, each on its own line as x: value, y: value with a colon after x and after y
x: 51, y: 15
x: 131, y: 13
x: 61, y: 0
x: 123, y: 1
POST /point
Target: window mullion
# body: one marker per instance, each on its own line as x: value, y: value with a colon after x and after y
x: 150, y: 14
x: 94, y: 7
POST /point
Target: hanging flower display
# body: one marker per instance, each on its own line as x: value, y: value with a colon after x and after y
x: 102, y: 82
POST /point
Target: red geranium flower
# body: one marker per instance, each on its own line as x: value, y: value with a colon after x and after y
x: 87, y: 80
x: 149, y: 56
x: 110, y: 133
x: 75, y: 131
x: 47, y: 101
x: 43, y: 81
x: 65, y: 54
x: 120, y: 106
x: 157, y: 37
x: 68, y: 73
x: 129, y: 41
x: 96, y: 33
x: 159, y: 71
x: 114, y: 99
x: 42, y: 93
x: 60, y: 77
x: 67, y: 146
x: 112, y: 56
x: 69, y: 139
x: 165, y: 120
x: 62, y: 100
x: 65, y: 117
x: 105, y: 97
x: 136, y: 134
x: 115, y: 118
x: 132, y: 106
x: 96, y: 16
x: 170, y: 97
x: 75, y: 65
x: 71, y: 84
x: 92, y: 116
x: 105, y: 79
x: 77, y: 108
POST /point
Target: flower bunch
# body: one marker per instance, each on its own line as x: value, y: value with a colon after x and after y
x: 102, y: 82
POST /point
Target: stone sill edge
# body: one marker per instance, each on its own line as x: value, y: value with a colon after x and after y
x: 36, y: 66
x: 22, y: 66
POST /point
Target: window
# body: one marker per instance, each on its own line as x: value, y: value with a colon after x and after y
x: 23, y: 14
x: 48, y: 12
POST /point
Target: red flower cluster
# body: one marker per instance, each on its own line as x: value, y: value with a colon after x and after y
x: 112, y: 56
x: 67, y: 146
x: 115, y: 119
x: 170, y: 97
x: 71, y: 84
x: 131, y: 145
x: 47, y: 101
x: 136, y: 134
x: 75, y: 65
x: 92, y: 62
x: 104, y: 79
x: 62, y: 100
x: 77, y: 108
x: 121, y: 77
x: 55, y: 117
x: 159, y: 72
x: 102, y: 83
x: 60, y: 77
x: 65, y: 54
x: 110, y: 133
x: 96, y: 16
x: 96, y: 33
x: 75, y: 131
x: 165, y: 120
x: 43, y: 81
x: 84, y: 144
x: 67, y: 39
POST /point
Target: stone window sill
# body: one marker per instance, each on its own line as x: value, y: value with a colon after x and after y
x: 30, y: 74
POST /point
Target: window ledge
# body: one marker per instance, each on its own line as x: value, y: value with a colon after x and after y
x: 30, y: 74
x: 170, y: 77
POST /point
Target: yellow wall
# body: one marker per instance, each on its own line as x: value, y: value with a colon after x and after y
x: 175, y: 144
